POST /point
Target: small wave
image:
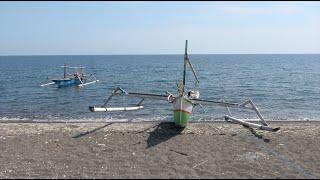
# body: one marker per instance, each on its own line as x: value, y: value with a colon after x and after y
x: 11, y: 119
x: 154, y: 119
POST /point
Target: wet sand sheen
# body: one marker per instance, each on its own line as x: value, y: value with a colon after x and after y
x: 153, y: 150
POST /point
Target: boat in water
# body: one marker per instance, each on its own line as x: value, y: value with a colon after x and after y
x: 77, y: 78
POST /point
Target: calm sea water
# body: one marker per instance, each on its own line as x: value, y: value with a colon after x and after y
x: 282, y: 86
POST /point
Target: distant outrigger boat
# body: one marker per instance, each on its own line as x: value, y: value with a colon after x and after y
x: 77, y: 78
x: 184, y: 102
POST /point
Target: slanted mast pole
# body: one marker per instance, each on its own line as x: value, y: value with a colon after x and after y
x: 185, y: 66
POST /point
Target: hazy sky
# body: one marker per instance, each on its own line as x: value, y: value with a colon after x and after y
x: 53, y: 28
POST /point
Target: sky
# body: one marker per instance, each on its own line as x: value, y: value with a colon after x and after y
x: 155, y: 27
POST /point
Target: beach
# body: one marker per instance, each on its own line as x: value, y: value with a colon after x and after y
x: 158, y: 150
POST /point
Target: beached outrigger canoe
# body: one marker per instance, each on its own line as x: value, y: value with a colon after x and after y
x: 77, y: 78
x: 184, y: 102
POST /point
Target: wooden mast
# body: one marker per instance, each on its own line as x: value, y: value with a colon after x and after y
x: 187, y: 61
x: 185, y: 66
x: 65, y: 71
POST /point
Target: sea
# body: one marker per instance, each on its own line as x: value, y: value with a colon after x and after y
x: 282, y: 86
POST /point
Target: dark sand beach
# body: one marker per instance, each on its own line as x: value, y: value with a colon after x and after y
x: 153, y: 150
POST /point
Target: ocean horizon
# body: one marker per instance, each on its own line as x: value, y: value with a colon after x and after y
x: 283, y: 86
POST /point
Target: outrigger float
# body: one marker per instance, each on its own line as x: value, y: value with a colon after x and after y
x: 77, y: 78
x: 184, y: 102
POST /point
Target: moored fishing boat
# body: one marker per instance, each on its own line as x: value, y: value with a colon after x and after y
x: 77, y: 78
x: 185, y: 101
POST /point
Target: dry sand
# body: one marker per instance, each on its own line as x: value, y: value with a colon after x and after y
x: 153, y: 150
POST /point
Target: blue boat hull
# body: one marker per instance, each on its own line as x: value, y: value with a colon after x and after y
x: 66, y: 82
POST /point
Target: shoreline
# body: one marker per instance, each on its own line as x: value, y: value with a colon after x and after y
x: 158, y: 150
x: 153, y: 121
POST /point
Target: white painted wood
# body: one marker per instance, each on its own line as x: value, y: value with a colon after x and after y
x: 103, y: 109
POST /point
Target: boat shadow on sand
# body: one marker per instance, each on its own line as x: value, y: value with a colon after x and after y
x: 163, y: 132
x: 91, y: 131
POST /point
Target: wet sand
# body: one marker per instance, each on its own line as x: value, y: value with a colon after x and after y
x: 153, y: 150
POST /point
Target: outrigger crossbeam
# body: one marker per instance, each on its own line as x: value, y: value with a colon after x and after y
x: 249, y: 105
x: 251, y: 125
x: 119, y: 91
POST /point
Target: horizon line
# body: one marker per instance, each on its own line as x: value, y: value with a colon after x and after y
x: 165, y: 54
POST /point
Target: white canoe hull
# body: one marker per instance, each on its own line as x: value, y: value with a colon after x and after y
x: 104, y: 109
